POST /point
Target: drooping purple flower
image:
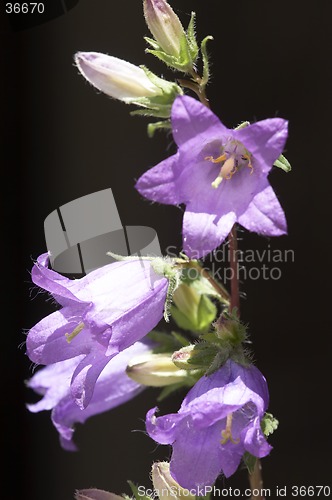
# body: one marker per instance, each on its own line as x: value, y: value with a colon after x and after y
x: 219, y: 420
x: 220, y: 175
x: 102, y: 314
x: 113, y: 388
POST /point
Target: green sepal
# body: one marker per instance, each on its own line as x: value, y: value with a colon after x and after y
x: 249, y: 461
x: 205, y: 314
x: 165, y: 267
x: 269, y: 424
x: 155, y: 45
x: 191, y: 38
x: 159, y: 106
x: 136, y: 494
x: 187, y: 56
x: 283, y: 163
x: 162, y: 125
x: 205, y: 59
x: 153, y: 112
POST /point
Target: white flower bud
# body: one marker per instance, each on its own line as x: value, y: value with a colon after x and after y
x: 164, y: 25
x: 155, y: 370
x: 165, y: 486
x: 115, y: 77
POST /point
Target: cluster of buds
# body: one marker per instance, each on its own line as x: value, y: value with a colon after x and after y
x: 137, y: 85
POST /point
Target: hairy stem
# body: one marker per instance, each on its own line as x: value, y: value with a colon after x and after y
x: 256, y: 481
x: 196, y: 86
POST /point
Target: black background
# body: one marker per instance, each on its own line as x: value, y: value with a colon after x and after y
x: 61, y: 140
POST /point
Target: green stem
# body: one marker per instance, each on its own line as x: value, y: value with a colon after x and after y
x: 196, y: 86
x: 235, y: 291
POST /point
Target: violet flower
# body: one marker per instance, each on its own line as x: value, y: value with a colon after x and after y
x: 102, y: 314
x: 220, y: 175
x: 112, y: 389
x: 219, y: 420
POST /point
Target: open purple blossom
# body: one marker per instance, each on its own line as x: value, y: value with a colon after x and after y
x: 219, y: 420
x: 220, y: 175
x: 113, y: 388
x: 102, y: 314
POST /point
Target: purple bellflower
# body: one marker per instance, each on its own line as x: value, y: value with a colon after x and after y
x: 102, y: 314
x: 113, y: 388
x: 220, y: 175
x: 219, y: 420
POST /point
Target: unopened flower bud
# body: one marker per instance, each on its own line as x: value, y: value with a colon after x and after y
x: 156, y: 370
x: 193, y: 310
x: 181, y: 357
x: 164, y: 25
x: 115, y: 77
x: 94, y: 494
x: 165, y: 486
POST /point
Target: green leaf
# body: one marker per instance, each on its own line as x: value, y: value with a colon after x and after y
x: 269, y: 424
x: 249, y: 461
x: 283, y: 163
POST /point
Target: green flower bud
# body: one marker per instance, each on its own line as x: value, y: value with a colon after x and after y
x: 192, y: 311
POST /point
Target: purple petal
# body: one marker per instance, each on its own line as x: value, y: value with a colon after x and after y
x: 58, y: 285
x: 53, y: 383
x: 203, y: 232
x: 113, y: 388
x: 85, y: 376
x: 160, y: 183
x: 265, y: 140
x: 232, y: 384
x: 264, y: 215
x: 195, y: 459
x: 162, y: 429
x: 254, y: 440
x: 192, y: 121
x: 47, y: 343
x: 119, y: 289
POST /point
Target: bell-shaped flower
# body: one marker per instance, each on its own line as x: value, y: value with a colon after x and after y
x: 113, y: 388
x: 220, y: 175
x: 219, y: 420
x: 102, y: 314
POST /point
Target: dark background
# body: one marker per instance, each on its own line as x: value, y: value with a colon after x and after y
x: 61, y: 140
